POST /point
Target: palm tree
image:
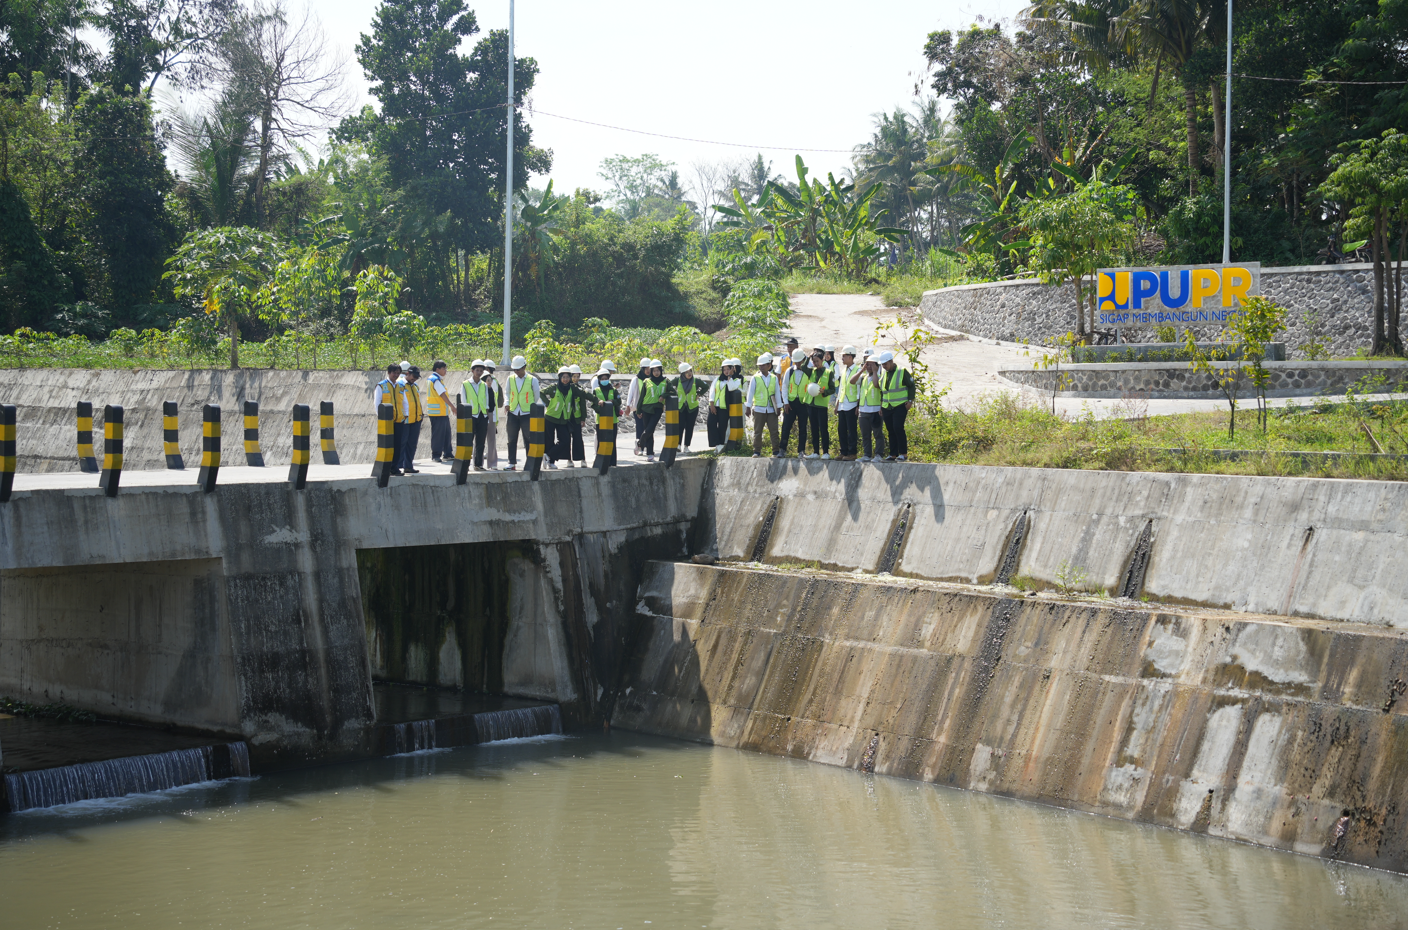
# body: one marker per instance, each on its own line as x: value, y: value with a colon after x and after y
x: 895, y: 158
x: 216, y: 152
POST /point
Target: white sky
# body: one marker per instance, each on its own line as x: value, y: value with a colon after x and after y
x: 757, y: 72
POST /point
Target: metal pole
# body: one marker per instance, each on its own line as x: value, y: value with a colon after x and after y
x: 1227, y: 152
x: 508, y: 196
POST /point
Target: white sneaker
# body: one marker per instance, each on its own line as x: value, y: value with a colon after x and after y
x: 825, y: 456
x: 550, y: 465
x: 810, y: 455
x: 904, y: 458
x: 863, y: 458
x: 510, y: 468
x: 719, y: 449
x: 650, y: 458
x: 685, y: 451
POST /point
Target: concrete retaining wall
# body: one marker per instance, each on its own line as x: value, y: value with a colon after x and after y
x: 1176, y: 379
x: 1339, y: 298
x: 1300, y: 547
x: 1282, y: 733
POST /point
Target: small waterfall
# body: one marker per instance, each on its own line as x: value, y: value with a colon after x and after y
x: 413, y: 736
x: 114, y: 778
x: 515, y: 724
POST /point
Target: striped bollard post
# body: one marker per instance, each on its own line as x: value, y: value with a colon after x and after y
x: 537, y: 440
x: 325, y: 434
x: 209, y: 447
x: 605, y: 441
x: 385, y: 446
x: 252, y: 455
x: 464, y: 443
x: 7, y: 451
x: 672, y: 432
x: 735, y: 421
x: 112, y: 450
x: 302, y: 447
x: 87, y: 462
x: 171, y: 434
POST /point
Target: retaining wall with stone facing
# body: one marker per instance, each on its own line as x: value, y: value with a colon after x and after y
x: 1168, y: 379
x: 1340, y: 297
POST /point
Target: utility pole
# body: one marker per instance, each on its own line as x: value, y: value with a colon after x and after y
x: 508, y: 196
x: 1226, y: 152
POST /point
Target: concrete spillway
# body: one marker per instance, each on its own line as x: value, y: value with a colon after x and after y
x: 1247, y: 684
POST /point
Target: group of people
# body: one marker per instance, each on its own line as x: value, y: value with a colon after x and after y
x: 796, y: 390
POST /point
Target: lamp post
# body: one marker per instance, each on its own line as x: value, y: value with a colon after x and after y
x: 1227, y: 152
x: 508, y: 195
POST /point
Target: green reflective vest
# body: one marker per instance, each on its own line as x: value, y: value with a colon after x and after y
x: 520, y: 393
x: 765, y: 390
x: 476, y: 397
x: 560, y: 407
x: 893, y: 392
x: 846, y: 391
x: 652, y: 393
x: 870, y: 395
x: 688, y: 392
x: 822, y: 377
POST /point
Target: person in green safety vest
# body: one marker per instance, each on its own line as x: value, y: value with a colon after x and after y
x: 521, y: 392
x: 687, y: 390
x: 717, y: 422
x: 896, y: 397
x: 762, y: 401
x: 819, y: 374
x: 847, y: 404
x: 795, y: 413
x: 579, y: 413
x: 647, y: 397
x: 606, y: 400
x: 479, y: 398
x: 491, y: 438
x: 560, y: 398
x: 872, y: 427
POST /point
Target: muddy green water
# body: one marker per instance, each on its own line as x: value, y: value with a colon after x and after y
x: 628, y: 832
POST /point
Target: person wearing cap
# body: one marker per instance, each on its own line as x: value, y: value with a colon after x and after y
x: 388, y: 391
x: 794, y: 411
x: 819, y: 372
x: 847, y: 405
x: 437, y: 411
x: 521, y: 392
x: 717, y: 422
x: 788, y: 353
x: 872, y: 426
x: 632, y: 407
x: 415, y: 413
x: 687, y: 390
x: 606, y: 399
x: 491, y: 435
x: 896, y: 397
x: 480, y: 401
x: 560, y: 399
x: 652, y: 393
x: 580, y: 403
x: 762, y: 403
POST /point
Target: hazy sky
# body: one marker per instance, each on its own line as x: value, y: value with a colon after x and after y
x: 756, y: 72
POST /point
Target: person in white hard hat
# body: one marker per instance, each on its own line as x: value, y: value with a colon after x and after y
x: 480, y: 402
x: 561, y: 399
x: 652, y: 391
x: 796, y: 409
x: 763, y: 402
x: 496, y: 396
x: 847, y: 405
x: 687, y: 390
x: 872, y: 426
x: 717, y: 423
x: 579, y: 414
x: 632, y: 408
x: 521, y: 392
x: 607, y: 400
x: 896, y: 397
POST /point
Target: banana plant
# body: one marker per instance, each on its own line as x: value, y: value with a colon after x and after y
x: 991, y: 232
x: 538, y: 233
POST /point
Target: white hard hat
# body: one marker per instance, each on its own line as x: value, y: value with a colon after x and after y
x: 849, y: 350
x: 765, y: 359
x: 885, y: 357
x: 656, y: 363
x: 575, y: 369
x: 644, y: 363
x: 564, y: 370
x: 685, y: 366
x: 405, y: 365
x: 477, y: 363
x: 608, y: 365
x: 813, y: 389
x: 518, y: 362
x: 799, y: 356
x: 828, y: 348
x: 490, y: 364
x: 604, y: 373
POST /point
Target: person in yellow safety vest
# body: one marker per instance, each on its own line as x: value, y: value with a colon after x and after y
x: 491, y: 438
x: 415, y: 414
x: 687, y: 390
x: 789, y: 350
x: 796, y: 412
x: 438, y: 409
x: 847, y: 405
x: 652, y: 391
x: 717, y: 422
x: 820, y: 374
x: 521, y: 392
x: 560, y: 398
x: 896, y: 397
x: 763, y: 401
x: 632, y: 408
x: 480, y: 400
x: 388, y: 391
x: 606, y: 400
x: 579, y: 413
x: 871, y: 424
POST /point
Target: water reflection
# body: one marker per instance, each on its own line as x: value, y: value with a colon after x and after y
x: 616, y: 831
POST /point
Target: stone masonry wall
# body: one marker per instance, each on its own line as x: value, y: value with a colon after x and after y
x: 1338, y: 299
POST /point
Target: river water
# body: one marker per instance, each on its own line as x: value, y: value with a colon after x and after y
x: 623, y: 831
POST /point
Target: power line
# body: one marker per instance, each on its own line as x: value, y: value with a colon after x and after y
x: 1257, y: 77
x: 661, y: 135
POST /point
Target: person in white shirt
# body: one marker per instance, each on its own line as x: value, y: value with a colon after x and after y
x: 795, y: 409
x: 872, y: 425
x: 438, y: 411
x: 491, y: 438
x: 521, y: 392
x: 632, y: 407
x: 763, y: 402
x: 847, y: 404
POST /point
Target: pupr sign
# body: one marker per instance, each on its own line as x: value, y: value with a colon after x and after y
x: 1186, y: 295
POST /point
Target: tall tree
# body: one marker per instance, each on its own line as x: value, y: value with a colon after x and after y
x: 152, y: 39
x: 47, y: 36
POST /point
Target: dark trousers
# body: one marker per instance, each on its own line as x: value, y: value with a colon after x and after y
x: 717, y: 425
x: 398, y: 444
x: 517, y: 424
x: 846, y: 422
x: 579, y: 452
x: 687, y: 418
x: 559, y: 441
x: 821, y: 428
x: 440, y: 445
x: 408, y: 448
x: 794, y: 413
x: 872, y: 426
x: 645, y: 430
x: 479, y: 429
x: 894, y: 425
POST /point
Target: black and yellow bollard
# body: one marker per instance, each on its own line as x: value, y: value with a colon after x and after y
x: 171, y: 434
x: 537, y: 441
x: 464, y: 443
x: 252, y: 455
x: 605, y: 441
x: 112, y: 450
x: 735, y: 421
x: 87, y: 463
x: 672, y: 432
x: 7, y: 451
x: 209, y: 447
x: 325, y: 434
x: 302, y: 447
x: 385, y: 446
